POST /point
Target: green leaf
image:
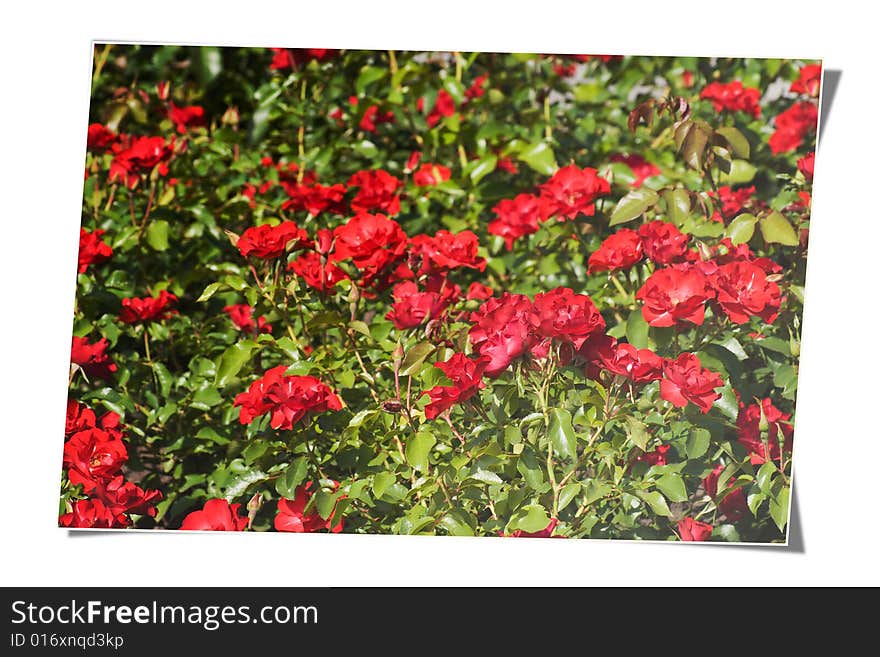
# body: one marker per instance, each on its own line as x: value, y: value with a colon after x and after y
x: 692, y: 137
x: 636, y: 432
x: 727, y: 403
x: 562, y: 434
x: 418, y: 448
x: 678, y: 205
x: 206, y: 398
x: 455, y: 526
x: 209, y: 292
x: 293, y: 476
x: 672, y: 486
x: 697, y: 443
x: 532, y: 518
x: 776, y: 229
x: 637, y: 330
x: 232, y: 360
x: 742, y: 228
x: 737, y: 141
x: 368, y: 75
x: 656, y: 501
x: 483, y: 168
x: 779, y: 508
x: 764, y: 478
x: 567, y: 494
x: 754, y: 501
x: 527, y: 465
x: 740, y: 173
x: 595, y: 490
x: 164, y: 377
x: 381, y: 482
x: 157, y: 234
x: 414, y: 357
x: 325, y: 503
x: 540, y: 157
x: 208, y: 63
x: 634, y: 204
x: 486, y: 476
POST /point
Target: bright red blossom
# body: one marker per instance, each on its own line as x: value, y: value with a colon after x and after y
x: 429, y: 175
x: 572, y: 191
x: 92, y: 457
x: 90, y: 514
x: 637, y: 365
x: 139, y: 158
x: 742, y: 290
x: 317, y: 271
x: 792, y: 126
x: 373, y: 242
x: 479, y: 291
x: 376, y: 191
x: 656, y: 456
x: 503, y: 331
x: 733, y: 505
x: 685, y: 380
x: 242, y: 315
x: 446, y: 251
x: 92, y: 249
x: 217, y: 515
x: 547, y: 532
x: 443, y: 106
x: 147, y: 309
x: 808, y: 80
x: 100, y: 138
x: 732, y: 201
x: 563, y: 315
x: 314, y: 198
x: 185, y: 118
x: 639, y: 165
x: 662, y: 242
x: 748, y: 424
x: 413, y: 307
x: 267, y: 242
x: 805, y: 165
x: 516, y: 217
x: 92, y: 358
x: 733, y: 97
x: 674, y: 295
x: 694, y: 530
x: 291, y: 516
x: 620, y: 250
x: 466, y: 377
x: 287, y: 398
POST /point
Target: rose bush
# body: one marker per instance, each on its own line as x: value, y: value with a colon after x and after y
x: 439, y: 293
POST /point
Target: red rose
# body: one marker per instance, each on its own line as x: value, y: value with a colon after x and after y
x: 805, y: 165
x: 547, y: 532
x: 662, y: 242
x: 563, y: 315
x: 620, y: 250
x: 694, y: 530
x: 684, y: 380
x: 413, y: 307
x: 733, y: 97
x: 516, y: 217
x: 477, y: 89
x: 314, y: 198
x: 749, y: 431
x: 376, y: 191
x: 283, y: 58
x: 637, y: 365
x: 92, y: 358
x: 80, y: 418
x: 655, y: 457
x: 443, y: 106
x: 571, y: 191
x: 242, y: 315
x: 123, y: 497
x: 808, y: 80
x: 466, y: 376
x: 792, y: 126
x: 446, y: 251
x: 372, y: 116
x: 92, y: 457
x: 641, y: 168
x: 743, y: 290
x: 727, y: 252
x: 269, y: 242
x: 734, y: 505
x: 374, y: 243
x: 100, y: 138
x: 412, y: 161
x: 502, y: 330
x: 479, y: 291
x: 506, y: 164
x: 184, y: 118
x: 217, y: 515
x: 674, y: 295
x: 140, y: 157
x: 291, y: 516
x: 318, y: 275
x: 288, y: 398
x: 90, y: 514
x: 429, y: 175
x: 732, y: 202
x: 147, y: 309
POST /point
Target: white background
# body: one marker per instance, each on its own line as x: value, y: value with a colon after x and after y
x: 45, y: 86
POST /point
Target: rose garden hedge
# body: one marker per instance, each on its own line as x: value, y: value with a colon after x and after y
x: 439, y: 293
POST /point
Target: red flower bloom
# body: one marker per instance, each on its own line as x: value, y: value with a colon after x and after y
x: 466, y: 376
x: 184, y: 118
x: 808, y: 80
x: 92, y: 249
x: 734, y: 505
x: 662, y: 242
x: 242, y: 315
x: 733, y: 97
x: 639, y: 165
x: 147, y: 309
x: 684, y: 380
x: 291, y: 58
x: 314, y: 198
x: 805, y: 165
x: 732, y: 202
x: 479, y: 291
x: 743, y: 290
x: 655, y: 457
x: 446, y: 251
x: 429, y: 175
x: 674, y: 295
x: 620, y: 250
x: 100, y: 138
x: 373, y: 242
x: 123, y: 497
x: 217, y: 515
x: 318, y: 275
x: 92, y: 358
x: 748, y: 424
x: 443, y: 106
x: 502, y: 330
x: 412, y: 161
x: 547, y: 532
x: 90, y: 514
x: 80, y: 418
x: 412, y: 307
x: 637, y: 365
x: 571, y: 191
x: 563, y: 315
x: 376, y: 191
x: 478, y: 88
x: 372, y: 117
x: 269, y: 242
x: 140, y: 157
x: 93, y: 456
x: 792, y: 126
x: 694, y: 530
x: 291, y: 515
x: 516, y: 217
x: 687, y: 79
x: 506, y: 164
x: 288, y: 398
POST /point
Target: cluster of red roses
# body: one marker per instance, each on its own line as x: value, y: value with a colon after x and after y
x: 134, y: 158
x: 94, y: 453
